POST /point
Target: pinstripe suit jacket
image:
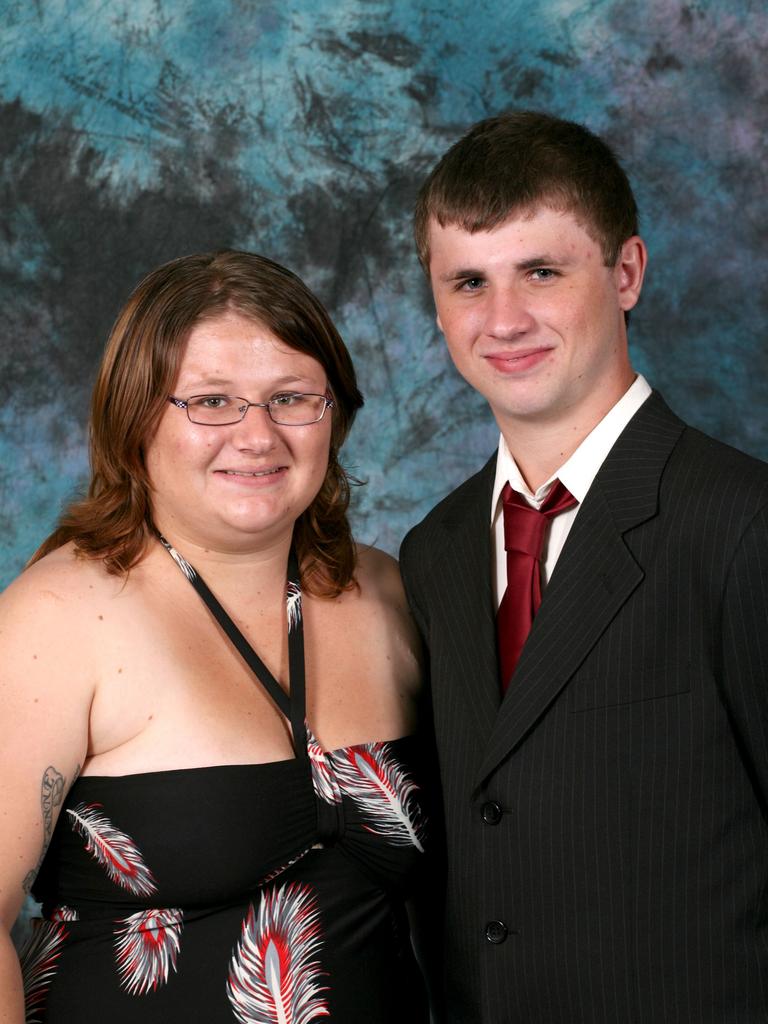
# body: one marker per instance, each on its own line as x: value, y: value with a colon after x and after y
x: 607, y: 822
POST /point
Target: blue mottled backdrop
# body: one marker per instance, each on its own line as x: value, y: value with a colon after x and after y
x: 131, y: 133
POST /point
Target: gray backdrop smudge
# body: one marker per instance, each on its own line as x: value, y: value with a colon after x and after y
x: 131, y: 133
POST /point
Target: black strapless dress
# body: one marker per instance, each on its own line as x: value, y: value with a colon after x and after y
x: 262, y: 893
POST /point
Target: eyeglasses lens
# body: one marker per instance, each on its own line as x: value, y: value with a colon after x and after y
x: 286, y: 410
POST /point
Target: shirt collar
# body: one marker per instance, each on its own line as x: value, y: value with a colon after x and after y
x: 577, y: 472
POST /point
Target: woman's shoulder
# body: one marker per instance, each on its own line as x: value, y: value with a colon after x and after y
x: 378, y: 574
x: 57, y: 590
x: 62, y: 572
x: 382, y: 587
x: 380, y: 590
x: 47, y: 618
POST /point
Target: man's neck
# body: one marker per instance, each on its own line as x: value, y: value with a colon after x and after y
x: 541, y: 453
x: 541, y: 447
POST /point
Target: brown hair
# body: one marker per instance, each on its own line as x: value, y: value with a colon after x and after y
x: 138, y: 370
x: 520, y: 160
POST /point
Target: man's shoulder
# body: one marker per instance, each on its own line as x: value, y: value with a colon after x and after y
x: 701, y: 474
x: 722, y: 455
x: 471, y: 496
x: 700, y: 459
x: 720, y: 470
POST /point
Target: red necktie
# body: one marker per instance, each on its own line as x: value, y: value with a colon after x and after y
x: 524, y: 532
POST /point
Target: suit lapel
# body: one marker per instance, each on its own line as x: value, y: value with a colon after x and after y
x: 468, y: 616
x: 594, y: 576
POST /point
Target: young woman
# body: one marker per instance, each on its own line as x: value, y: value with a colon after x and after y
x: 207, y: 758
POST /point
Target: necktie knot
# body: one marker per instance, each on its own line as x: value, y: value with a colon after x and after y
x: 524, y: 526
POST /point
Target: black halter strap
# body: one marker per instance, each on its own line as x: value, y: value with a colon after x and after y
x: 293, y: 706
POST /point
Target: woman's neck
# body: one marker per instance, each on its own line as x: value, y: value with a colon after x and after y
x: 248, y: 574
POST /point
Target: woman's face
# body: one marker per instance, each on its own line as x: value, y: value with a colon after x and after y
x: 242, y: 486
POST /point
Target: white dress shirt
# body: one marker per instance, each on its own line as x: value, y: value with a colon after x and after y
x: 577, y: 474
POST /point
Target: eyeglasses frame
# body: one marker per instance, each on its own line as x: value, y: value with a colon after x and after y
x: 181, y: 403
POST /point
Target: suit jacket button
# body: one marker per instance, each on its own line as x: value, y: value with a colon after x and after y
x: 491, y: 812
x: 496, y: 932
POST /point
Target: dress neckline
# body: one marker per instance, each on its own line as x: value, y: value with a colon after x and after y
x: 243, y: 765
x: 291, y: 705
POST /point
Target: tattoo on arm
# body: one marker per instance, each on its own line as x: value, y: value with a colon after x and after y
x: 52, y: 791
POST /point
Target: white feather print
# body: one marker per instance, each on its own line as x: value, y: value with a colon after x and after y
x: 274, y: 976
x: 64, y: 913
x: 283, y: 867
x: 114, y: 850
x: 146, y: 947
x: 182, y: 563
x: 383, y: 791
x: 38, y: 965
x: 323, y: 779
x: 293, y: 605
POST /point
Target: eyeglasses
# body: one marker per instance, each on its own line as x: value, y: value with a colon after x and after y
x: 291, y: 409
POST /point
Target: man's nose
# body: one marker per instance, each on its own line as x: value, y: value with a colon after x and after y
x: 507, y: 313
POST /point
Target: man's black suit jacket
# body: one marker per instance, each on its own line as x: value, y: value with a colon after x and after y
x: 607, y: 822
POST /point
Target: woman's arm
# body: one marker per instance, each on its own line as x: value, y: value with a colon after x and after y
x: 45, y: 695
x: 11, y: 994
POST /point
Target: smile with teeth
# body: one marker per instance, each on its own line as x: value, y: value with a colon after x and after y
x: 254, y: 472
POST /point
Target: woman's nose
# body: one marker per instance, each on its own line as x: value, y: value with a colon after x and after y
x: 256, y: 431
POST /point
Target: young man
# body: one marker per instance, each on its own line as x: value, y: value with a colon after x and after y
x: 604, y: 756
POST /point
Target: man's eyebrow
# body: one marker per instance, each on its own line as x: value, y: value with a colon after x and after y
x: 545, y: 260
x: 530, y: 263
x: 462, y: 274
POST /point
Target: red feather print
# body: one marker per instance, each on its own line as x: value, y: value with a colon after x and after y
x: 146, y: 948
x: 293, y: 605
x: 274, y: 976
x: 114, y: 850
x: 383, y: 792
x: 323, y: 779
x: 38, y: 965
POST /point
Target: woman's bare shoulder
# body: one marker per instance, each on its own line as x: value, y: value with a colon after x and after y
x: 58, y: 589
x: 47, y: 688
x: 378, y: 575
x: 381, y: 590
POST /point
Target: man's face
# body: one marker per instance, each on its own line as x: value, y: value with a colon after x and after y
x: 533, y: 318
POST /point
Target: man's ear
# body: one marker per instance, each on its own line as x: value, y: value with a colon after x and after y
x: 630, y: 271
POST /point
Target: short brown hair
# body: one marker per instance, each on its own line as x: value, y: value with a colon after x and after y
x: 137, y: 373
x: 518, y: 161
